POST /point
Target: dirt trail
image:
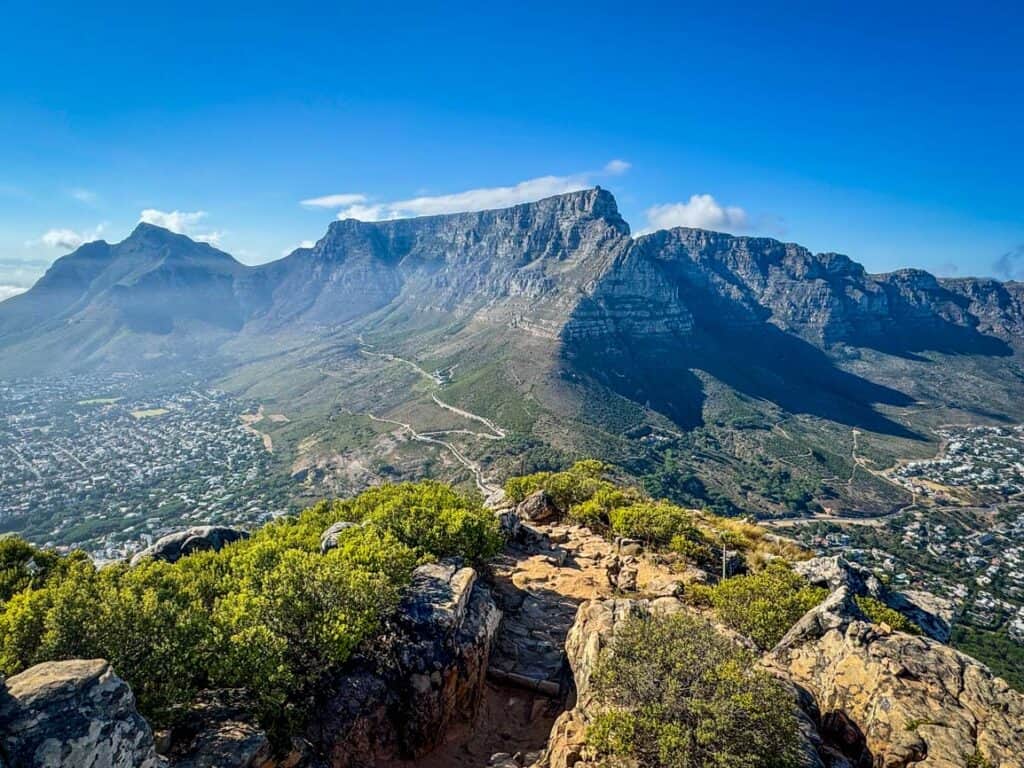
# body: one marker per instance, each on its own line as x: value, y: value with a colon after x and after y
x: 538, y: 582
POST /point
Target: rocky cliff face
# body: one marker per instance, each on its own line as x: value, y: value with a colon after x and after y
x: 561, y: 267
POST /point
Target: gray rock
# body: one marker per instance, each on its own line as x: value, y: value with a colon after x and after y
x: 537, y: 508
x: 175, y: 546
x: 73, y: 714
x: 219, y: 731
x: 329, y: 538
x: 437, y: 597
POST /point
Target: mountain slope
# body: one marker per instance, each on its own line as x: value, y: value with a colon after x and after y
x: 738, y: 370
x: 156, y: 293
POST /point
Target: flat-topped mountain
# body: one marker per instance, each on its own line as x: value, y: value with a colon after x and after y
x: 550, y: 319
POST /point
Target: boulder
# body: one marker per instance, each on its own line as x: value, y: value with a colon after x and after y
x: 220, y: 731
x: 835, y: 572
x: 933, y: 614
x: 897, y: 699
x: 538, y: 507
x: 175, y: 546
x: 329, y: 538
x: 425, y: 675
x: 73, y: 714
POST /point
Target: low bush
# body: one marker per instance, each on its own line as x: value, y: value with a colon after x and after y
x: 675, y: 693
x: 879, y: 613
x: 763, y: 605
x: 270, y: 614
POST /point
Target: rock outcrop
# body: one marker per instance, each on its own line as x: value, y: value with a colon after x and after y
x: 934, y: 615
x: 426, y: 675
x: 892, y: 699
x: 538, y: 507
x: 73, y: 714
x: 329, y: 538
x: 175, y: 546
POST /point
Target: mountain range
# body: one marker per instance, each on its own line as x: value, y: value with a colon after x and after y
x: 742, y: 371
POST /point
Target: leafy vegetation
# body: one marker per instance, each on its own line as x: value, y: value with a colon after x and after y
x: 763, y: 605
x: 270, y: 614
x: 676, y: 693
x: 880, y: 613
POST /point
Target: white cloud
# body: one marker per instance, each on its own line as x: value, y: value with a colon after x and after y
x: 86, y: 196
x: 303, y: 244
x: 182, y: 223
x: 6, y: 291
x: 617, y: 167
x: 699, y: 212
x: 67, y: 239
x: 360, y: 207
x: 335, y: 201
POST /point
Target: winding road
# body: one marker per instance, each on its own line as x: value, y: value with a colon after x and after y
x: 486, y: 487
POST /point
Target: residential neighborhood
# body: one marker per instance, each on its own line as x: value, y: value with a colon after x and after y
x: 87, y: 462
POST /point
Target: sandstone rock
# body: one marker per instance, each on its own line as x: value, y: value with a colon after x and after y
x: 175, y: 546
x: 909, y: 699
x: 220, y: 731
x: 835, y: 572
x: 538, y: 507
x: 933, y: 614
x: 73, y: 714
x: 329, y: 538
x: 437, y: 597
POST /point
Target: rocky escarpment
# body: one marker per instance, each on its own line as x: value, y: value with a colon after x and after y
x: 893, y: 699
x: 73, y: 713
x: 424, y: 677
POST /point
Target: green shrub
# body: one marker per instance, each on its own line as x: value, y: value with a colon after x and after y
x: 573, y: 486
x: 655, y: 522
x: 676, y: 693
x: 269, y: 614
x: 879, y: 613
x: 764, y: 605
x: 595, y: 511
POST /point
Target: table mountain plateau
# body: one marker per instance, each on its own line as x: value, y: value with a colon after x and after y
x: 753, y: 363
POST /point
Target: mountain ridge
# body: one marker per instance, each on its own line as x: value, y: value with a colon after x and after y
x: 564, y: 328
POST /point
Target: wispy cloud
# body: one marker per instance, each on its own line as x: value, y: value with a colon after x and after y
x: 1010, y: 266
x: 355, y: 206
x: 617, y: 167
x: 82, y: 195
x: 699, y: 212
x: 67, y: 239
x: 335, y: 201
x: 183, y: 223
x: 6, y: 291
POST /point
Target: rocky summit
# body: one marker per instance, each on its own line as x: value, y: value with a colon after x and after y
x: 498, y: 671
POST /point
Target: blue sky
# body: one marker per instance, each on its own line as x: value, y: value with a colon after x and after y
x: 893, y: 135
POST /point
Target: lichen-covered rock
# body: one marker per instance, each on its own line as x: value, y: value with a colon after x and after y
x: 220, y: 731
x: 329, y: 538
x: 538, y: 507
x: 910, y: 700
x: 934, y: 615
x: 73, y: 714
x: 175, y: 546
x: 426, y: 675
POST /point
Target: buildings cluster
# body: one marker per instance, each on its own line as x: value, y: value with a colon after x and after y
x: 974, y: 460
x: 89, y: 462
x: 978, y: 567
